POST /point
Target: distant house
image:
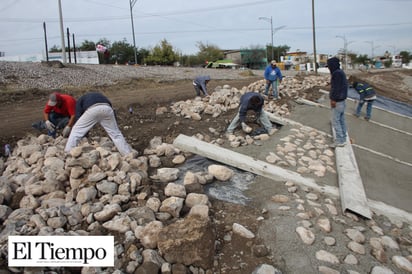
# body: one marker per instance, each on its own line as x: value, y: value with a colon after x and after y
x: 243, y: 58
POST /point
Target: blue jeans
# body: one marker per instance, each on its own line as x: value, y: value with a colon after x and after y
x: 338, y: 121
x: 274, y: 85
x: 60, y: 121
x: 369, y: 104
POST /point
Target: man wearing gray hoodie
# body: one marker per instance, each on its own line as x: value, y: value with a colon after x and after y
x: 200, y: 85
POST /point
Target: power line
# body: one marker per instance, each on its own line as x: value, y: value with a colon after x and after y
x: 13, y: 2
x: 125, y: 17
x: 215, y: 30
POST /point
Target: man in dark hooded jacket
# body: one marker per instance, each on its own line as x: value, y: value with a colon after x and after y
x: 337, y: 96
x: 251, y: 101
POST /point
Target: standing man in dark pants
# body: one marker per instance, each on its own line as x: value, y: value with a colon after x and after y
x: 337, y: 95
x: 366, y: 94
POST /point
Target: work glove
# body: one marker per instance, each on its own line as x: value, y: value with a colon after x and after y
x: 246, y: 128
x: 66, y: 131
x: 50, y: 126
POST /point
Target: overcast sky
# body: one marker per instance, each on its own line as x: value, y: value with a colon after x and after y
x: 229, y: 24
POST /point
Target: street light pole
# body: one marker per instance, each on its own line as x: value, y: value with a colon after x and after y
x: 345, y: 48
x: 132, y: 3
x: 267, y: 19
x: 274, y: 31
x: 373, y: 48
x: 314, y: 37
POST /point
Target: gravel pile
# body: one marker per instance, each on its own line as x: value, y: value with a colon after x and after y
x: 53, y: 75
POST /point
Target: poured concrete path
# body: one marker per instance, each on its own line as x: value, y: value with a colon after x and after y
x: 382, y: 148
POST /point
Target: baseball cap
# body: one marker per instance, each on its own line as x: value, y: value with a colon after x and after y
x: 52, y: 100
x: 273, y: 62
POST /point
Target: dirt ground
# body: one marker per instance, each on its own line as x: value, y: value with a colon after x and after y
x: 20, y: 108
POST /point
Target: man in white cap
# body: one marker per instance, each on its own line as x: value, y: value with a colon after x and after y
x: 59, y: 113
x: 272, y: 76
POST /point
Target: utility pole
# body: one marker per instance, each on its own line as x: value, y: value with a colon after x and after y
x: 45, y: 41
x: 274, y: 31
x: 74, y: 49
x: 62, y: 33
x: 68, y: 45
x: 314, y: 37
x: 132, y: 3
x: 345, y: 48
x: 267, y: 19
x: 373, y: 48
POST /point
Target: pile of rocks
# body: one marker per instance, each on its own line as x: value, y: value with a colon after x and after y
x: 95, y: 191
x: 226, y: 98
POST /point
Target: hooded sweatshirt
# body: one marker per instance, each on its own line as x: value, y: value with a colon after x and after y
x: 338, y: 82
x: 245, y: 105
x: 201, y: 81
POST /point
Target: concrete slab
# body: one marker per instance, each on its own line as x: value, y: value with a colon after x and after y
x: 352, y: 192
x: 244, y: 162
x: 384, y: 179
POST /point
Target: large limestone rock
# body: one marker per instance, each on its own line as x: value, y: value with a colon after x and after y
x: 189, y: 241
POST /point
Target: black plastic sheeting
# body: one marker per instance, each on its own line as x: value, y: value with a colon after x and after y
x: 229, y: 191
x: 386, y: 103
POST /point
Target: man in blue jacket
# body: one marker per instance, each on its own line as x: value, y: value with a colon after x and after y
x: 337, y: 95
x: 366, y: 94
x: 200, y: 85
x: 272, y: 76
x: 251, y: 101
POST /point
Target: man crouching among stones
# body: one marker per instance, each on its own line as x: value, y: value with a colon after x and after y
x: 251, y: 101
x: 93, y: 108
x: 59, y: 113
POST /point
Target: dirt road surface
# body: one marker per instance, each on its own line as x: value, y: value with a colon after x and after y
x: 21, y: 107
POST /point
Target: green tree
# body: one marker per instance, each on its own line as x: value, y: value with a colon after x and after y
x: 55, y: 48
x: 191, y: 61
x: 278, y: 51
x: 361, y: 59
x: 142, y: 54
x: 87, y: 45
x: 162, y: 54
x: 104, y: 41
x: 254, y: 57
x: 208, y: 53
x: 406, y: 57
x: 122, y: 52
